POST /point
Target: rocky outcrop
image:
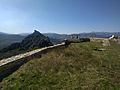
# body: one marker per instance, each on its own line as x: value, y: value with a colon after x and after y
x: 35, y: 40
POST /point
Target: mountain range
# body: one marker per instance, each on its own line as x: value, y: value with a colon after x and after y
x: 31, y: 42
x: 7, y: 39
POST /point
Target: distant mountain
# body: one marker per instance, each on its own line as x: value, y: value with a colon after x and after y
x: 56, y: 36
x: 82, y: 35
x: 32, y: 41
x: 35, y: 40
x: 98, y: 34
x: 24, y: 34
x: 7, y: 39
x: 2, y: 33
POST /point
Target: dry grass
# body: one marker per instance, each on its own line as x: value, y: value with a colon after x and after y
x: 78, y: 67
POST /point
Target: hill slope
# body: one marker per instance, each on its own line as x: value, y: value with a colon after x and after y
x: 77, y: 67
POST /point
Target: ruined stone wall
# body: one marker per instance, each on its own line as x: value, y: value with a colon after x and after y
x: 9, y: 65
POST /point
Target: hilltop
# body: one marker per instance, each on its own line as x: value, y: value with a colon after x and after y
x: 79, y: 66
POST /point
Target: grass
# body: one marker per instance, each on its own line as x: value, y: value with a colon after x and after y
x: 77, y: 67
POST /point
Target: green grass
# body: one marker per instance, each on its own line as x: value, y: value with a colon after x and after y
x: 77, y: 67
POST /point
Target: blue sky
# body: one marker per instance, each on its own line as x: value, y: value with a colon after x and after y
x: 59, y: 16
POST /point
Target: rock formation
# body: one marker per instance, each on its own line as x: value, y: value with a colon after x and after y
x: 35, y: 40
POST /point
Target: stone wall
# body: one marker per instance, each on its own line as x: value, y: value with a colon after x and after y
x: 9, y: 65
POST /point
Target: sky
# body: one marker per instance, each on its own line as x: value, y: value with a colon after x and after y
x: 59, y: 16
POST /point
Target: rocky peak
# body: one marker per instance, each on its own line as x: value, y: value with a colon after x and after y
x: 36, y: 32
x: 32, y: 41
x: 35, y: 40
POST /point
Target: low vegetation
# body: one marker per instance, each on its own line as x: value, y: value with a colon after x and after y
x: 77, y: 67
